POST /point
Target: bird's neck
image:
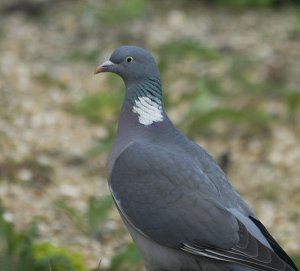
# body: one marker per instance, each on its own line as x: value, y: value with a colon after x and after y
x: 142, y: 116
x: 143, y: 107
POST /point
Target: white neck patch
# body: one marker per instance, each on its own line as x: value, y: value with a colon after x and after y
x: 149, y: 111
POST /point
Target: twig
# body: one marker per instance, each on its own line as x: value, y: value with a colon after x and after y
x: 98, y: 268
x: 49, y: 265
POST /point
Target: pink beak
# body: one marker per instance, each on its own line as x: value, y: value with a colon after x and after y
x: 103, y: 67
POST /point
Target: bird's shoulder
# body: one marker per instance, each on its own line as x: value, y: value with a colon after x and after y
x: 163, y: 162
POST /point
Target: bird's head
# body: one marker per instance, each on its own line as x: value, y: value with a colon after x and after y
x: 131, y: 63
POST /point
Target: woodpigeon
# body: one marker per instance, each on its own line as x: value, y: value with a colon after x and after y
x: 174, y: 199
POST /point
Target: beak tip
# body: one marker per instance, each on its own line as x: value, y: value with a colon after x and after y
x: 98, y: 69
x: 104, y: 67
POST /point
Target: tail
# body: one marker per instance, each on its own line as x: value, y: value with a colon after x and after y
x: 275, y: 246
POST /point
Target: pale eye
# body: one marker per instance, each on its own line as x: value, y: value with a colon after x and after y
x: 129, y: 59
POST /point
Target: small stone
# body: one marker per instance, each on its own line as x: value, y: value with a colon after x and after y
x: 8, y: 217
x: 25, y: 174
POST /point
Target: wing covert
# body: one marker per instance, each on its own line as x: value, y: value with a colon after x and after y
x: 164, y: 194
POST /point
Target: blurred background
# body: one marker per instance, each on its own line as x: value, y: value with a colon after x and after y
x: 231, y: 77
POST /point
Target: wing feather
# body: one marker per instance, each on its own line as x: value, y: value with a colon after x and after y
x: 248, y: 251
x: 166, y: 196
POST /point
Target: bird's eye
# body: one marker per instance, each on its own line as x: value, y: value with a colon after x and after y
x: 129, y: 59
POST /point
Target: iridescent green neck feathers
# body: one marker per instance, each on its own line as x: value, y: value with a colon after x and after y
x: 146, y: 101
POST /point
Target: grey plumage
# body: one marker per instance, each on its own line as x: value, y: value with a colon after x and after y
x: 174, y: 199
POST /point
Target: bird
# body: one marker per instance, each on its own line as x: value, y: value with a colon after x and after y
x: 176, y: 202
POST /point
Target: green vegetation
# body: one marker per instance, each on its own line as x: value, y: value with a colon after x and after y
x: 19, y: 251
x: 293, y: 104
x: 128, y: 258
x: 251, y: 3
x: 57, y: 258
x: 296, y: 259
x: 101, y: 107
x: 46, y: 79
x: 121, y: 11
x: 188, y: 50
x: 256, y: 119
x: 91, y: 221
x: 246, y: 3
x: 295, y: 30
x: 97, y: 214
x: 80, y: 55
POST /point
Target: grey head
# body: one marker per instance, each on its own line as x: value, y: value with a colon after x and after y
x: 132, y: 63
